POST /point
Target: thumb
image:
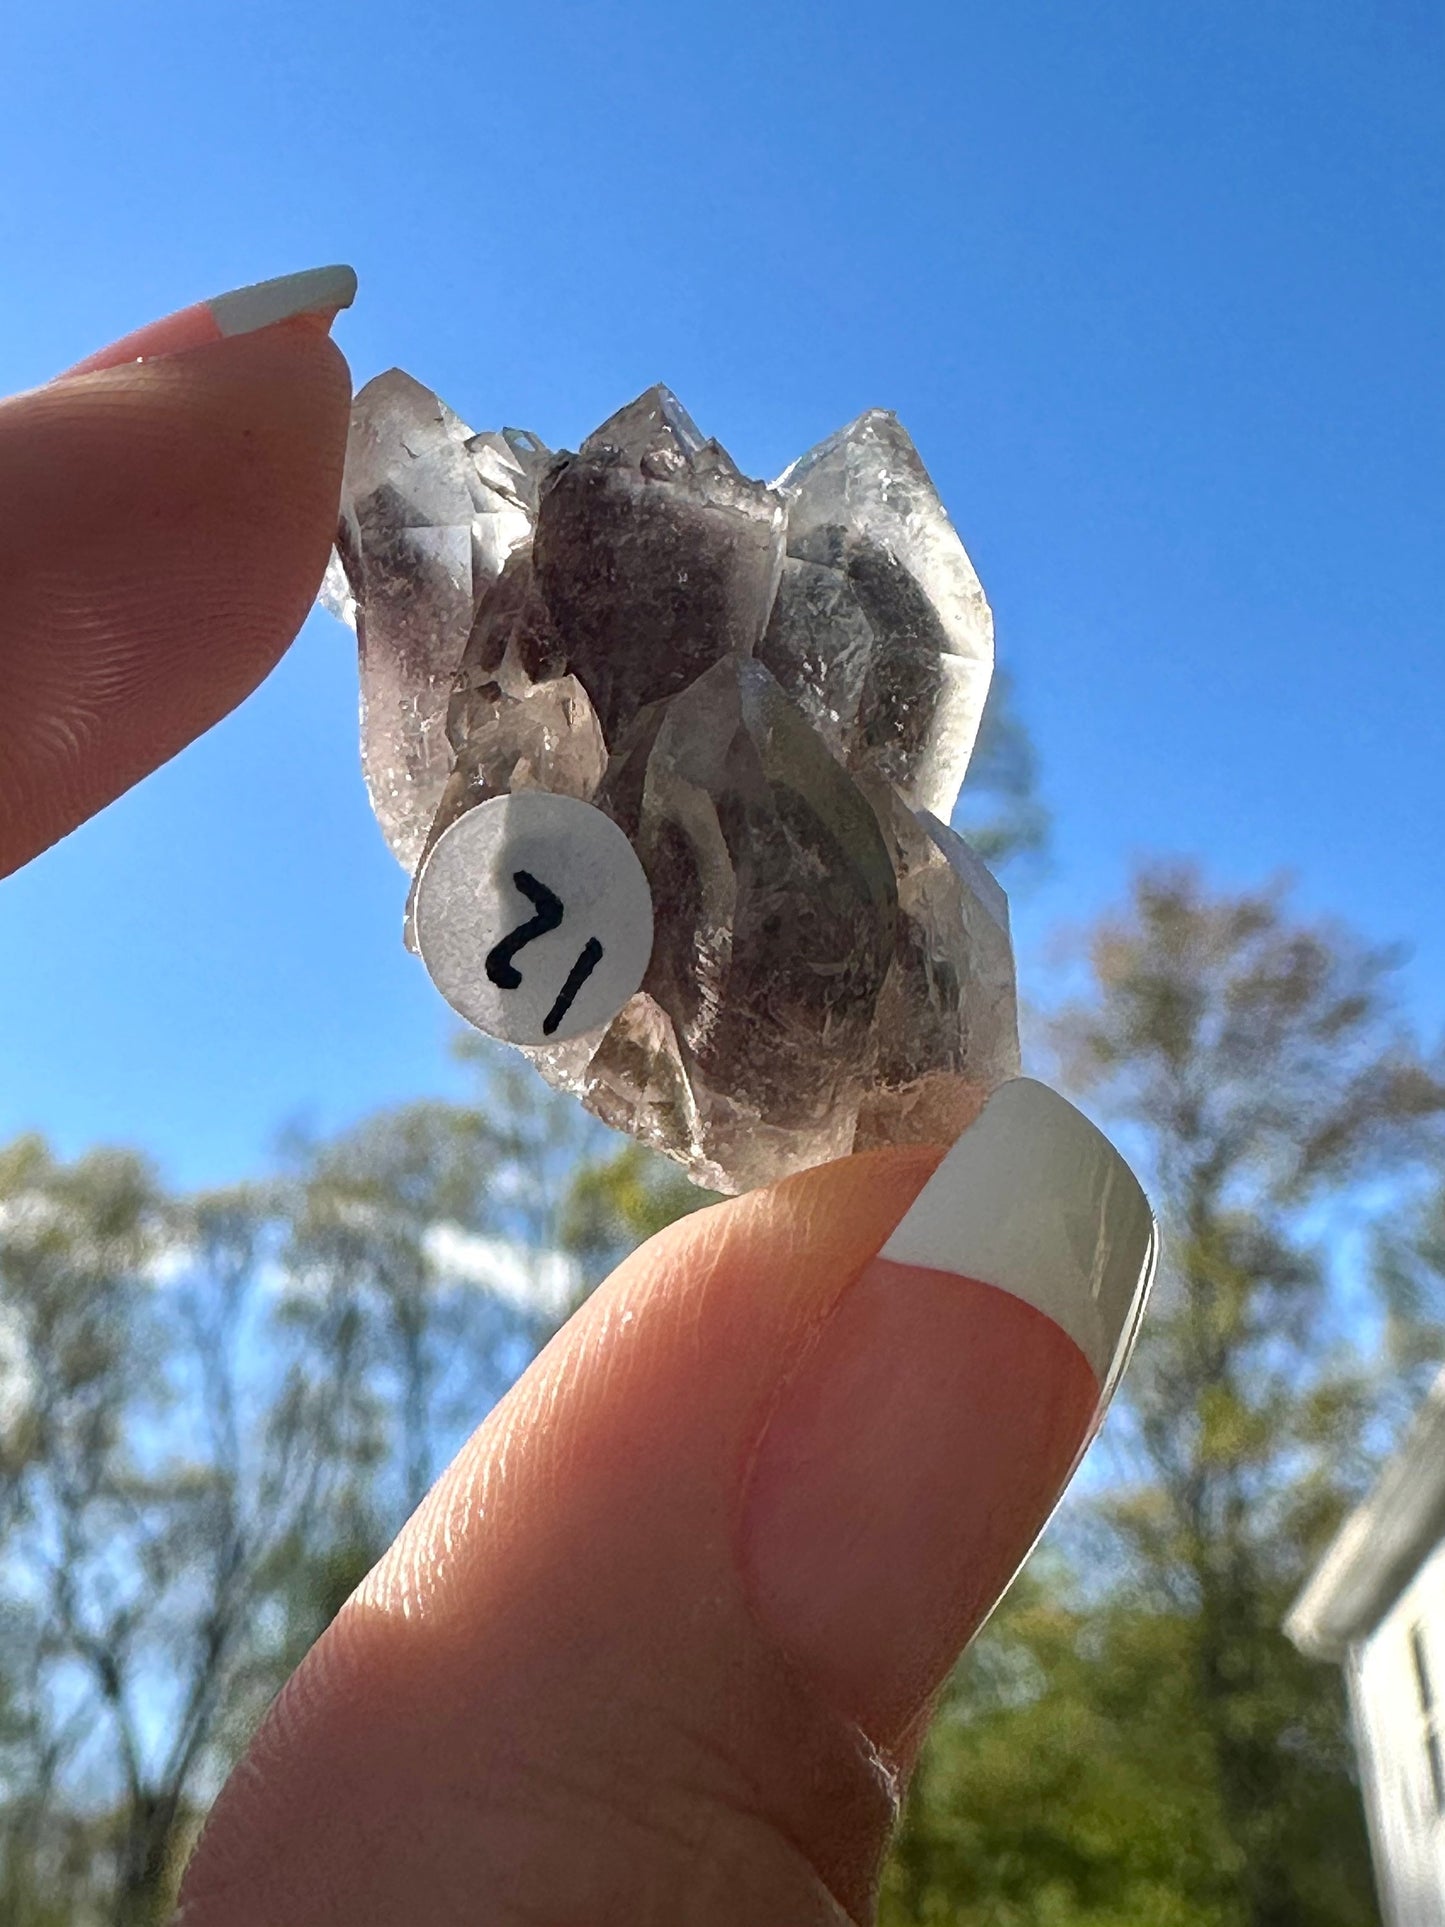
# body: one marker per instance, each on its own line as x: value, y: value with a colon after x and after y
x: 656, y: 1647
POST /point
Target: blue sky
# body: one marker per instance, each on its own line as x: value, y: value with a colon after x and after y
x: 1157, y: 289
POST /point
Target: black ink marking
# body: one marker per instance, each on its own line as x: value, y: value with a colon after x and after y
x: 586, y: 963
x: 500, y: 968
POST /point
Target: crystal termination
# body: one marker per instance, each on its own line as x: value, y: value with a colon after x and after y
x: 773, y: 690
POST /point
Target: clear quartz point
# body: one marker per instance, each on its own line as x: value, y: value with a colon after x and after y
x: 880, y: 631
x: 773, y: 690
x: 429, y: 515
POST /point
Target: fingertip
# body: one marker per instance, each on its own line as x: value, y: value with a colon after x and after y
x: 311, y: 299
x: 815, y: 1229
x: 563, y: 1632
x: 164, y: 525
x: 915, y: 1453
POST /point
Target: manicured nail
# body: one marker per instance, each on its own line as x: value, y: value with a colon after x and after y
x: 317, y: 292
x: 917, y: 1451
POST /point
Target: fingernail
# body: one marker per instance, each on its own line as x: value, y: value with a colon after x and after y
x: 318, y: 292
x: 920, y: 1445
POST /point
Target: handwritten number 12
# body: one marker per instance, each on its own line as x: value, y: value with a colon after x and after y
x: 505, y: 974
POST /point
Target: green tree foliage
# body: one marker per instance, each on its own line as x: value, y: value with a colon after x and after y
x: 215, y: 1410
x: 214, y: 1413
x: 620, y: 1200
x: 1139, y: 1743
x: 1063, y: 1782
x: 1409, y: 1261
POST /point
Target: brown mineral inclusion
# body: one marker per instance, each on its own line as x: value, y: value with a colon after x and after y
x: 773, y: 690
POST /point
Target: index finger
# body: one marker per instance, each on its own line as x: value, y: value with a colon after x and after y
x: 164, y: 525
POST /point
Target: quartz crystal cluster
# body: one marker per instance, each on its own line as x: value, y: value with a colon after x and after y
x: 772, y: 689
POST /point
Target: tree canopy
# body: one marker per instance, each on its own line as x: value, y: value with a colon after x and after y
x: 215, y: 1410
x: 1134, y: 1740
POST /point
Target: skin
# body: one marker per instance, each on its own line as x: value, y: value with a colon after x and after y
x: 563, y: 1697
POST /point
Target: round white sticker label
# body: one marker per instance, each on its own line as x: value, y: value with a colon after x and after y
x: 533, y: 917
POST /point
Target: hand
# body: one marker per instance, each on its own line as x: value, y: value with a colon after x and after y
x: 660, y: 1646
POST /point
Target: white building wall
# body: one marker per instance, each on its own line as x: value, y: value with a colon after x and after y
x: 1397, y: 1692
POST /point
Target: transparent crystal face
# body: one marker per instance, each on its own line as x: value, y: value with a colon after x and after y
x: 773, y: 690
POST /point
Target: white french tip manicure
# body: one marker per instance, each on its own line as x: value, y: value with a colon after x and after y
x: 246, y: 309
x: 1034, y: 1200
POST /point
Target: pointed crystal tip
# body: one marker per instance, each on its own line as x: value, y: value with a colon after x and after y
x: 655, y: 424
x: 761, y: 688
